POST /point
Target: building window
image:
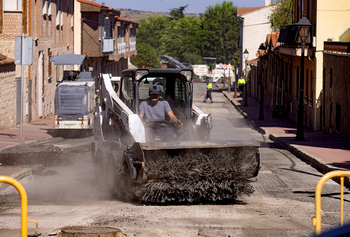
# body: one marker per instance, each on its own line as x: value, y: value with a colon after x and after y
x: 108, y: 28
x: 12, y: 5
x: 47, y: 7
x: 1, y: 15
x: 71, y: 14
x: 330, y: 78
x: 50, y: 63
x: 298, y: 83
x: 59, y: 14
x: 337, y: 117
x: 290, y: 78
x: 330, y: 115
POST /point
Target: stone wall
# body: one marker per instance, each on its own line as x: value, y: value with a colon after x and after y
x: 7, y: 97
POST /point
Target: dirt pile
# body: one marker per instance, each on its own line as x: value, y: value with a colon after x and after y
x: 29, y: 154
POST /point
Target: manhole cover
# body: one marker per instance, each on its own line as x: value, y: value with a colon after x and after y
x: 91, y: 232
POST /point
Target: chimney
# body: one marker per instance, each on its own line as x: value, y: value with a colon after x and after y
x: 103, y: 3
x: 267, y: 2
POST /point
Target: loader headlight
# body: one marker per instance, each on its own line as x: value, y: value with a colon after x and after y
x: 80, y: 118
x: 141, y: 73
x: 187, y: 74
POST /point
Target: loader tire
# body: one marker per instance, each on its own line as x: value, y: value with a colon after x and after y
x: 98, y: 169
x: 111, y: 177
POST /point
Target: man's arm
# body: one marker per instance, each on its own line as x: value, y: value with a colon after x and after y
x: 141, y: 117
x: 174, y: 119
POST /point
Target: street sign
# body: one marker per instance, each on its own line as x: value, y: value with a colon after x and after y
x: 224, y: 66
x: 229, y: 66
x: 27, y: 50
x: 23, y: 56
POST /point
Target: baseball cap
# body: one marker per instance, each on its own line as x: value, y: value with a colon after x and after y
x: 154, y: 89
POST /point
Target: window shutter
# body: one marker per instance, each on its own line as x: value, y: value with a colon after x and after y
x: 61, y: 13
x: 58, y: 12
x: 49, y: 7
x: 1, y: 12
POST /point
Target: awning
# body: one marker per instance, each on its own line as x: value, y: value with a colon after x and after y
x: 68, y: 59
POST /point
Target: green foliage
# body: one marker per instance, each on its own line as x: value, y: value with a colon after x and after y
x: 222, y: 30
x: 189, y: 39
x: 177, y: 13
x: 151, y: 30
x: 282, y: 15
x: 183, y: 40
x: 146, y: 56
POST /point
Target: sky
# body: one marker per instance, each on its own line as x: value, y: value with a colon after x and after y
x: 194, y: 6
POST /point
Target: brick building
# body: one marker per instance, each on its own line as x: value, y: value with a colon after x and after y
x: 106, y: 37
x: 57, y: 27
x: 11, y: 24
x: 280, y: 67
x: 51, y: 26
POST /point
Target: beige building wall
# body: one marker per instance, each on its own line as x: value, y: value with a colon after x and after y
x: 332, y: 19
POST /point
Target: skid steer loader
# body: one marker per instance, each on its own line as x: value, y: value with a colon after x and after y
x: 190, y: 169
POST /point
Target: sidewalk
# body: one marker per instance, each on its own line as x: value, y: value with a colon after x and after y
x: 31, y: 132
x: 325, y: 152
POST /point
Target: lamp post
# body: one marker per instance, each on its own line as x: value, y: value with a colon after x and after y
x: 245, y: 55
x: 261, y: 102
x: 229, y: 70
x: 303, y: 33
x: 261, y: 77
x: 235, y: 57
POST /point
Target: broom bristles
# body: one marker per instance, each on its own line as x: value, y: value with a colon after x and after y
x: 195, y: 178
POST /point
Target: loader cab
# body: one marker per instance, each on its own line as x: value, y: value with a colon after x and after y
x: 176, y: 88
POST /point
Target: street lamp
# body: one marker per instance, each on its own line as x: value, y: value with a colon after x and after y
x: 261, y: 77
x: 304, y: 27
x: 245, y: 55
x: 235, y: 57
x: 229, y: 70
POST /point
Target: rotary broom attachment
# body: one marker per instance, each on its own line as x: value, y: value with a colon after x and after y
x: 199, y: 172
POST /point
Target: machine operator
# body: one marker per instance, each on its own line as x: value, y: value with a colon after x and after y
x: 155, y: 109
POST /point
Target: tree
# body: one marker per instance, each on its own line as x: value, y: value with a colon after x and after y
x: 222, y: 30
x: 189, y: 39
x: 177, y: 13
x: 151, y: 30
x: 282, y: 15
x: 146, y: 56
x: 183, y: 40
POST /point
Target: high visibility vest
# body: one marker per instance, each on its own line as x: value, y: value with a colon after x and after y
x: 209, y: 86
x: 241, y: 81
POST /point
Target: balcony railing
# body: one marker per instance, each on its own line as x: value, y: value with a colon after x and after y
x: 121, y: 48
x: 108, y: 45
x: 132, y: 46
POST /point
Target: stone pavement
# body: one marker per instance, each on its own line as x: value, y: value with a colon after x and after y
x: 325, y: 152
